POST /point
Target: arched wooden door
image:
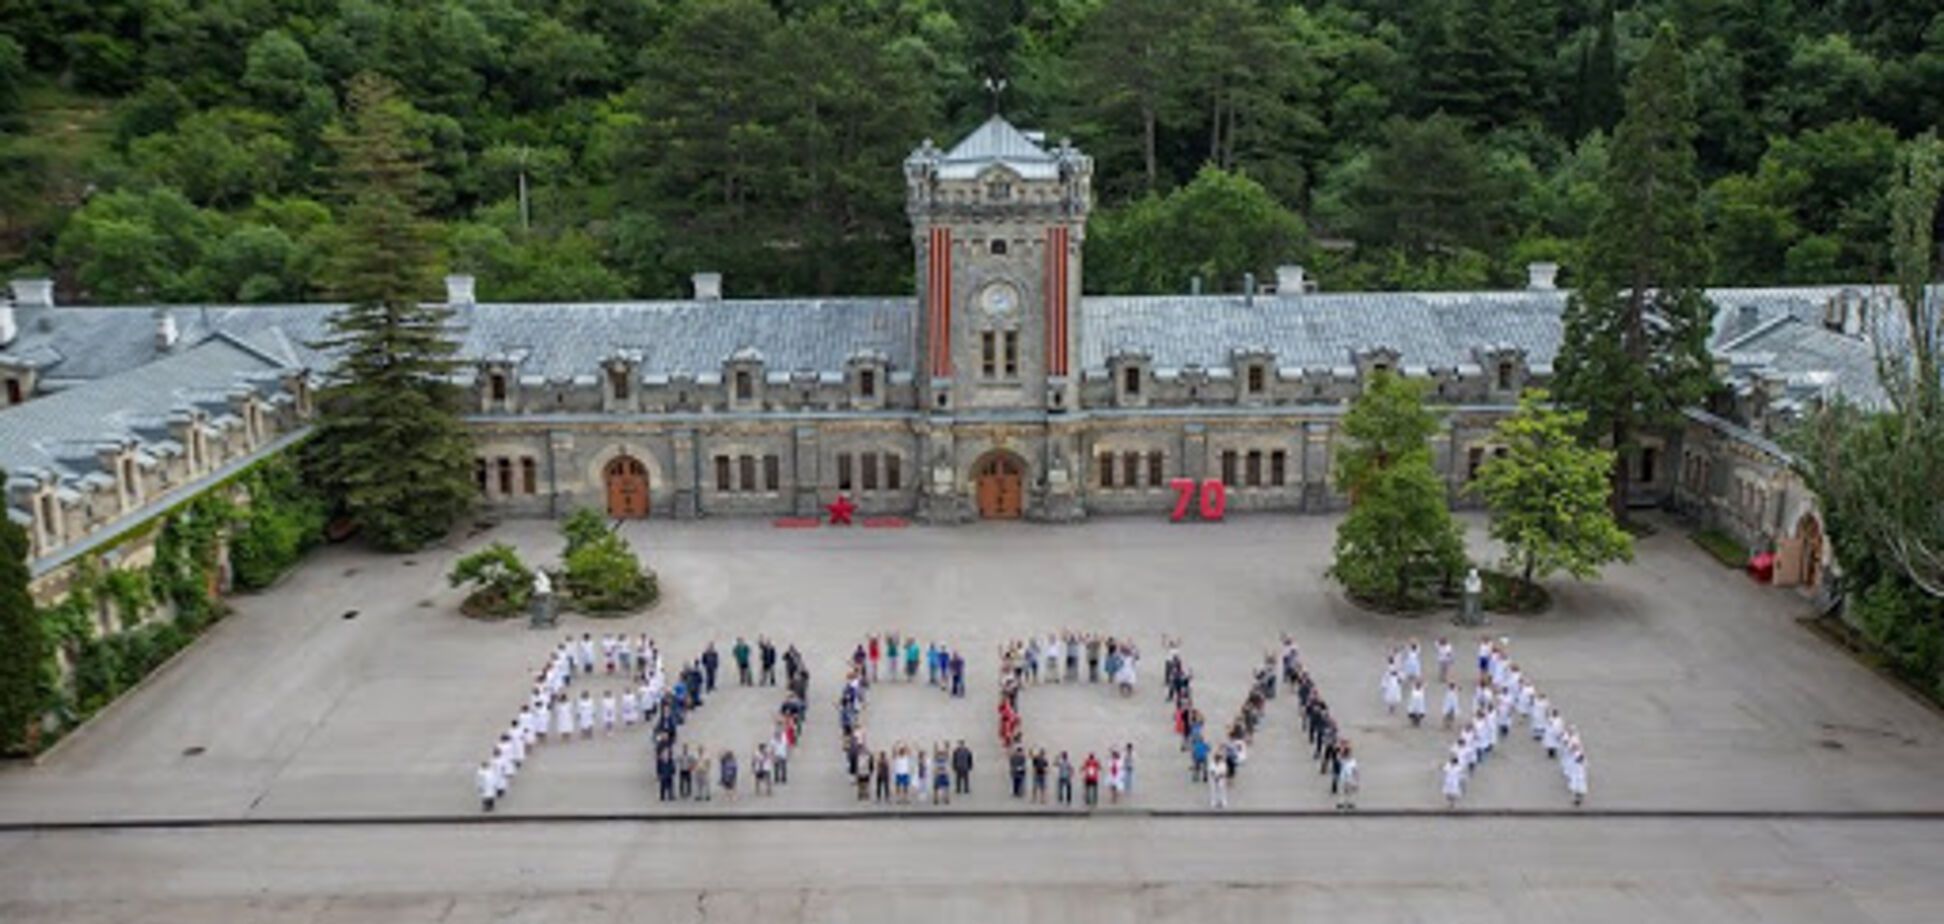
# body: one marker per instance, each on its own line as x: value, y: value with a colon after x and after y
x: 627, y: 488
x: 1000, y: 478
x: 1809, y: 534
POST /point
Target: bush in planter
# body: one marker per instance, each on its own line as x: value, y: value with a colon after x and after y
x: 502, y: 583
x: 603, y: 576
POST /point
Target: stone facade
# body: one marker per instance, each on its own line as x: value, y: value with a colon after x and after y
x: 994, y: 389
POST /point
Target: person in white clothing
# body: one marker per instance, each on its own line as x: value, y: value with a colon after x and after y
x: 564, y: 718
x: 584, y: 711
x: 1450, y: 707
x: 1541, y: 712
x: 1454, y: 782
x: 1218, y: 772
x: 1393, y: 689
x: 1555, y: 733
x: 1576, y: 777
x: 488, y: 783
x: 1347, y: 780
x: 1413, y: 662
x: 1416, y: 707
x: 630, y: 708
x: 609, y: 711
x: 1445, y: 657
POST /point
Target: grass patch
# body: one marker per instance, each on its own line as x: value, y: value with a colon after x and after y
x: 1725, y: 548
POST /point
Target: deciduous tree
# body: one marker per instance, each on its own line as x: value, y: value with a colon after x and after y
x: 1548, y: 495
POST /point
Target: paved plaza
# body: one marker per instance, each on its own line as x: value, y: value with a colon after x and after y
x: 1694, y: 689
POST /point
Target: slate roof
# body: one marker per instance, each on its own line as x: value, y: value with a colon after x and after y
x: 561, y: 341
x: 998, y: 142
x: 1321, y: 330
x: 60, y: 431
x: 1779, y: 329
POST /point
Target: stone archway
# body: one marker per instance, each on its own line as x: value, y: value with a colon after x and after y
x: 1000, y: 481
x: 627, y: 487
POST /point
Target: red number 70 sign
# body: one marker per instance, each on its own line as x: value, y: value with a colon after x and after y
x: 1213, y: 494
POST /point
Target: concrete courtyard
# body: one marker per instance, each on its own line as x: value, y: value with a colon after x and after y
x: 1695, y: 690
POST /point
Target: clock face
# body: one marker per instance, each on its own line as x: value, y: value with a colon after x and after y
x: 999, y: 298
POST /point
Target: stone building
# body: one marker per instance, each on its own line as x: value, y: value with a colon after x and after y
x: 996, y: 390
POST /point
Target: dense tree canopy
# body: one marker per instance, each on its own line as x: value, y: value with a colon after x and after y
x: 154, y: 148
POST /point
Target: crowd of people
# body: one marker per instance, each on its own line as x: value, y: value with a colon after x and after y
x: 1056, y: 658
x: 1503, y: 697
x: 684, y: 771
x: 553, y: 714
x: 623, y: 685
x: 904, y: 772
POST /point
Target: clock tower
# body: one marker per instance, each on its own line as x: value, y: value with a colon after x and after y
x: 998, y: 223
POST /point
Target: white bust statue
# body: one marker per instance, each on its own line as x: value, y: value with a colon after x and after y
x: 542, y: 586
x: 1473, y: 583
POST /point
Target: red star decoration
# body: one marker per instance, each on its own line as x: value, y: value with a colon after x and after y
x: 841, y: 510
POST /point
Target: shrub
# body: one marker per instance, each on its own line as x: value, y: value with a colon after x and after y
x: 603, y: 576
x: 1725, y: 548
x: 284, y: 520
x: 502, y: 583
x: 584, y: 526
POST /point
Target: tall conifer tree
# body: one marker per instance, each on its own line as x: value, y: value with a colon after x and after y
x: 1635, y: 350
x: 390, y: 448
x: 23, y: 646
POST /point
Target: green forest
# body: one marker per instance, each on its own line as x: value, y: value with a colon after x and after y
x: 174, y: 150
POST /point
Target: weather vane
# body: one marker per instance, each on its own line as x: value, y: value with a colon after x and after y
x: 995, y: 86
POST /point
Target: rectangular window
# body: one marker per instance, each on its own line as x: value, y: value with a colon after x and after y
x: 1131, y: 469
x: 893, y: 478
x: 13, y: 392
x: 1012, y: 354
x: 1106, y: 469
x: 498, y: 386
x: 988, y: 354
x: 745, y: 388
x: 843, y: 471
x: 746, y: 466
x: 1131, y: 381
x: 867, y: 383
x: 1649, y: 461
x: 529, y: 475
x: 1228, y: 467
x: 1156, y: 470
x: 1254, y: 469
x: 722, y: 473
x: 1255, y: 380
x: 479, y: 473
x: 1278, y: 468
x: 1505, y: 376
x: 618, y: 380
x: 868, y: 461
x: 772, y: 473
x: 505, y: 475
x: 1474, y: 460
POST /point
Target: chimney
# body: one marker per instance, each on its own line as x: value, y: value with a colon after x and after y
x: 1290, y: 281
x: 708, y: 287
x: 1746, y: 317
x: 1542, y: 277
x: 1194, y: 284
x: 8, y: 328
x: 33, y: 293
x: 459, y: 292
x: 1248, y: 289
x: 165, y: 330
